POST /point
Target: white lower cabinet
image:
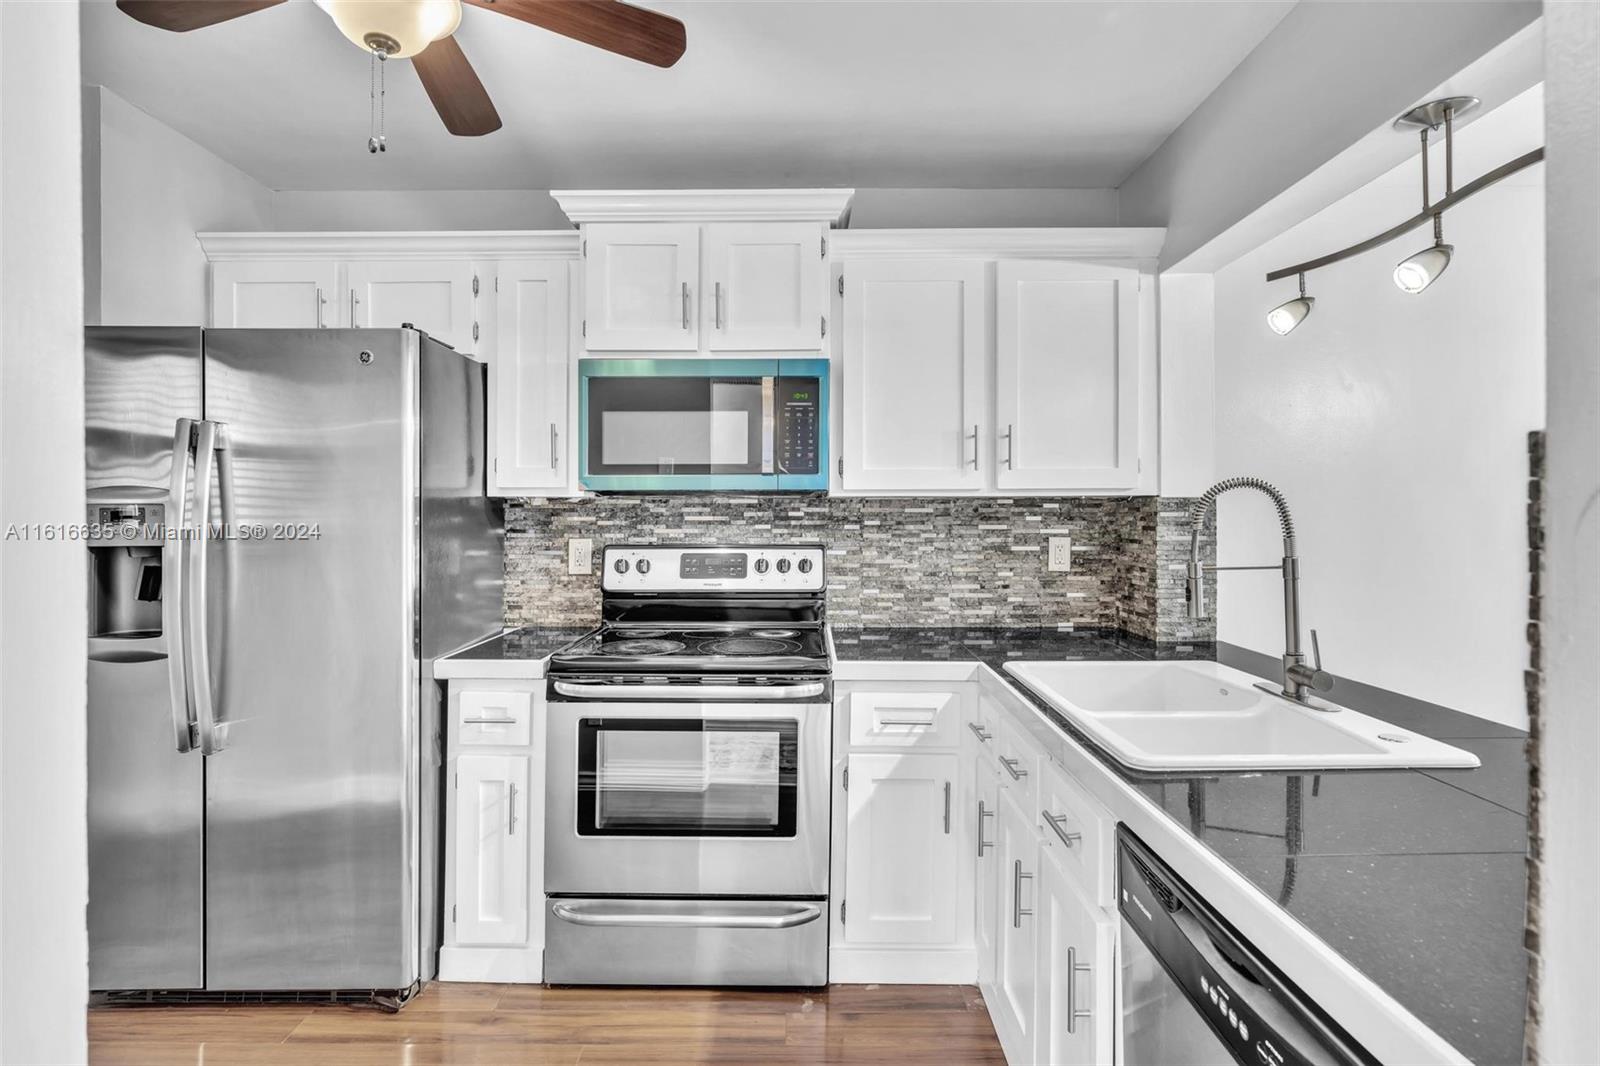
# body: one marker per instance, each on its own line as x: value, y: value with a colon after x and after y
x: 494, y: 832
x: 491, y: 832
x: 900, y: 853
x: 1012, y: 1006
x: 1076, y: 971
x: 986, y: 849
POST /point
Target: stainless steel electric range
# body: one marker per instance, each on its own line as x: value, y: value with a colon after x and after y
x: 686, y: 839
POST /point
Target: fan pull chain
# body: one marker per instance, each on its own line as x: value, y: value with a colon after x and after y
x: 377, y: 90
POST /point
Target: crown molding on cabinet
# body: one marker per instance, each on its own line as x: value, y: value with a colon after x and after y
x: 1108, y: 242
x: 704, y: 205
x: 454, y: 244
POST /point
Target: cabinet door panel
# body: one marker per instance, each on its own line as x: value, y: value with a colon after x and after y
x: 1013, y: 1006
x: 435, y: 297
x: 1067, y: 375
x: 275, y: 295
x: 900, y: 860
x: 988, y: 860
x: 639, y: 286
x: 1076, y: 976
x: 491, y: 842
x: 766, y: 282
x: 529, y: 376
x: 914, y: 390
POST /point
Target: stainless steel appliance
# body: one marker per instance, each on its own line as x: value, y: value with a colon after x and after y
x: 286, y: 528
x: 681, y: 425
x: 686, y: 839
x: 1193, y: 992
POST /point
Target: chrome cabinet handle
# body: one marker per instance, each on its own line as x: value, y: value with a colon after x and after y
x: 488, y: 721
x: 1055, y: 822
x: 947, y: 808
x: 977, y: 731
x: 320, y: 302
x: 686, y: 305
x: 1018, y: 911
x: 716, y: 304
x: 974, y: 436
x: 907, y: 722
x: 511, y: 808
x: 1010, y: 443
x: 982, y: 843
x: 354, y: 300
x: 174, y: 607
x: 1074, y: 968
x: 1011, y: 768
x: 555, y: 444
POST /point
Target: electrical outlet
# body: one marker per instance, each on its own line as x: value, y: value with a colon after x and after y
x: 580, y: 555
x: 1060, y: 554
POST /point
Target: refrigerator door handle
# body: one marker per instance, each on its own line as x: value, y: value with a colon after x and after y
x: 199, y: 653
x: 173, y: 606
x: 230, y: 581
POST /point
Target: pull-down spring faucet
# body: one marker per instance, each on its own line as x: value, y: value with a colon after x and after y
x: 1298, y: 678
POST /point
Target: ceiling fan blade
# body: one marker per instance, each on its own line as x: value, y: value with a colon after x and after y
x: 183, y: 15
x: 455, y: 90
x: 617, y: 27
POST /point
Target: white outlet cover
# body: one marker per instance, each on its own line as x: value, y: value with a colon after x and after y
x: 1060, y: 560
x: 580, y: 555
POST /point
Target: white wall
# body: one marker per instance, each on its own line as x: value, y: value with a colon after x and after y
x: 932, y: 208
x: 43, y: 847
x: 436, y: 209
x: 156, y: 189
x: 1569, y: 749
x: 1396, y: 425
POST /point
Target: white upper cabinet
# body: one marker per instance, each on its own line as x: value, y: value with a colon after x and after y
x: 529, y: 377
x: 901, y: 856
x: 1067, y: 376
x: 640, y: 286
x: 765, y: 285
x: 275, y: 294
x: 915, y: 402
x: 434, y: 296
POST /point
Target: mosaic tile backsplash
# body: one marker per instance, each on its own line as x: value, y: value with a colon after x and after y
x: 892, y: 562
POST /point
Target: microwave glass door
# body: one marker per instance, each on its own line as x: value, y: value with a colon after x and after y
x: 665, y: 424
x: 677, y: 777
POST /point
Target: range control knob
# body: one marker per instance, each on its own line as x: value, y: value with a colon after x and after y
x: 643, y: 566
x: 783, y: 566
x: 762, y: 566
x: 805, y: 566
x: 620, y: 566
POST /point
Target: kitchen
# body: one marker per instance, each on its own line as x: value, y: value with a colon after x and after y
x: 769, y: 578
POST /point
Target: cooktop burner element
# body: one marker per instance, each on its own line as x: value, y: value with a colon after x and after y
x: 637, y: 646
x: 773, y: 634
x: 748, y: 646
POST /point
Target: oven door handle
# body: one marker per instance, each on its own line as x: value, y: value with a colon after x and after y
x: 623, y: 913
x: 805, y: 691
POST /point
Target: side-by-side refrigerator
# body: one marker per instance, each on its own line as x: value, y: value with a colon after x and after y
x: 285, y: 528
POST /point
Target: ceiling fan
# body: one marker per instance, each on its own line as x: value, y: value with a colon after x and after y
x: 420, y: 30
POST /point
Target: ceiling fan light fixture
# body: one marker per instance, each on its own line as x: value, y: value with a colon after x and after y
x: 398, y: 28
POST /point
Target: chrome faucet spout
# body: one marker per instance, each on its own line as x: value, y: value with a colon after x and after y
x: 1298, y: 679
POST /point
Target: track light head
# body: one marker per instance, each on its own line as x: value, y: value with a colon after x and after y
x: 1286, y: 316
x: 1419, y: 271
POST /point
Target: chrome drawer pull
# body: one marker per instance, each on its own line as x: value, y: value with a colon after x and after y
x: 977, y: 731
x: 907, y: 722
x: 488, y: 721
x: 1011, y: 768
x: 1055, y: 822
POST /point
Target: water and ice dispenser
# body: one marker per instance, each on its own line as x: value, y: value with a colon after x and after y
x: 125, y: 542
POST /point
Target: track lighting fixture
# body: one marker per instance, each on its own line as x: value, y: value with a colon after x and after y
x: 1419, y: 271
x: 1286, y: 316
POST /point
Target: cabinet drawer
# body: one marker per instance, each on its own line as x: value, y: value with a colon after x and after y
x: 905, y: 719
x: 498, y: 719
x: 1078, y: 831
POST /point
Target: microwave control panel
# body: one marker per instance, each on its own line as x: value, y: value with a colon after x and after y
x: 799, y: 416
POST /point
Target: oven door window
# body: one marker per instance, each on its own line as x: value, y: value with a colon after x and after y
x: 693, y: 777
x: 651, y: 425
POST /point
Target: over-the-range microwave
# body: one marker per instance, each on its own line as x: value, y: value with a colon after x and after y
x: 703, y: 425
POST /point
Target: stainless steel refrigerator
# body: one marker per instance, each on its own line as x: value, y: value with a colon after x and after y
x: 285, y: 528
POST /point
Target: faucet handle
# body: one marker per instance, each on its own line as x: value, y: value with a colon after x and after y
x: 1316, y: 651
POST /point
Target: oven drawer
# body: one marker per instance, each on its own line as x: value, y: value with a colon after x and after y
x: 498, y: 719
x: 905, y: 719
x: 686, y: 942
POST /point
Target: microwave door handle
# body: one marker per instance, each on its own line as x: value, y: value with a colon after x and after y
x: 173, y: 606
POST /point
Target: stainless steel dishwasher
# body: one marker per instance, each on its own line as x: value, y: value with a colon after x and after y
x: 1193, y: 992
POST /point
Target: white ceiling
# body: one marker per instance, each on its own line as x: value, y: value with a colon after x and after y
x: 912, y: 94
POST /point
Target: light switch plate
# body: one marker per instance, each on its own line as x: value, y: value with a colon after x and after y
x: 580, y: 555
x: 1060, y: 554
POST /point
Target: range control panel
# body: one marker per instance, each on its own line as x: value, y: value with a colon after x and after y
x: 713, y: 568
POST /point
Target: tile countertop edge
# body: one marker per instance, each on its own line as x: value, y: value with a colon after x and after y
x: 1371, y: 1015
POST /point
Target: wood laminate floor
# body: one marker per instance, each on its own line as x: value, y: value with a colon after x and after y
x: 528, y: 1024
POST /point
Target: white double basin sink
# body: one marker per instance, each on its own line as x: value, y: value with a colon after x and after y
x: 1201, y: 716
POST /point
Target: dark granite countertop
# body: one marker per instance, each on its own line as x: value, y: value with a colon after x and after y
x: 1416, y: 877
x: 518, y: 645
